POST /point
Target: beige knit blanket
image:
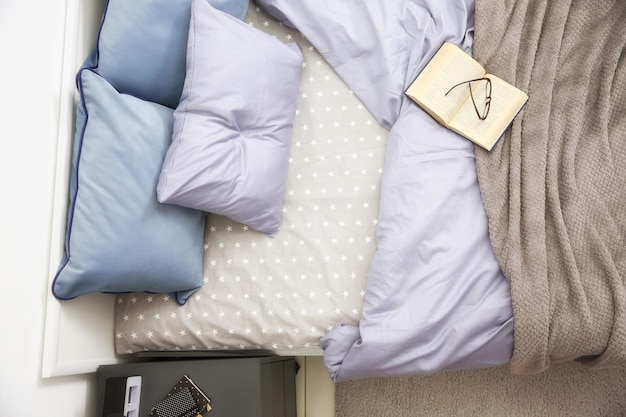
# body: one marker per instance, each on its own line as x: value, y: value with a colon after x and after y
x: 555, y: 187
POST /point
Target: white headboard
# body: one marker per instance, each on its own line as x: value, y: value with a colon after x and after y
x: 78, y: 333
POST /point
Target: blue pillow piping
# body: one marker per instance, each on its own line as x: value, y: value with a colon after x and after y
x: 74, y: 179
x: 75, y: 173
x: 71, y: 208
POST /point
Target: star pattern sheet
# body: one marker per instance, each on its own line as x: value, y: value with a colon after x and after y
x: 283, y: 293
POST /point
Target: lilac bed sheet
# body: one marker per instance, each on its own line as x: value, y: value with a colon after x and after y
x: 436, y: 298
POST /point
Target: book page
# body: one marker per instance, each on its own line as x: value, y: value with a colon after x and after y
x: 506, y: 102
x: 448, y: 67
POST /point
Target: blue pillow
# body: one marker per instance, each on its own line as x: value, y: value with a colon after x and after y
x: 142, y: 46
x: 119, y: 238
x: 233, y: 126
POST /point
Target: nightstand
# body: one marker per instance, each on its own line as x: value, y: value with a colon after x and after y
x: 237, y: 387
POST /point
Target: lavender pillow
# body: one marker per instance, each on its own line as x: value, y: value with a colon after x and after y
x: 232, y: 129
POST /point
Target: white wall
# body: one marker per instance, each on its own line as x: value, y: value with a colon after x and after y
x: 31, y: 43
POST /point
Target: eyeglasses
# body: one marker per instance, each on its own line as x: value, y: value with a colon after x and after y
x: 485, y: 112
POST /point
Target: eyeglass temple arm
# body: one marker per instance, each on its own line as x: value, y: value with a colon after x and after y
x: 467, y: 82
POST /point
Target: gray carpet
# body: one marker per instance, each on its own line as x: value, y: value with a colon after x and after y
x: 564, y: 390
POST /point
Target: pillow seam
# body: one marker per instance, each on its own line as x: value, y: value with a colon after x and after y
x: 192, y: 58
x: 74, y: 197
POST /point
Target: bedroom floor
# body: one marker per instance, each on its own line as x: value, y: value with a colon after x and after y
x: 315, y: 392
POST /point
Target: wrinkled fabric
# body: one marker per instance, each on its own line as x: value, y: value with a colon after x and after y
x: 436, y: 298
x: 232, y: 129
x: 555, y: 189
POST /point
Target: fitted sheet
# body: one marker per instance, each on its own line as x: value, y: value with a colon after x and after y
x: 283, y: 293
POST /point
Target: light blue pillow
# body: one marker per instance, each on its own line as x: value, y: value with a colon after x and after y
x: 232, y: 128
x: 119, y: 238
x: 142, y: 45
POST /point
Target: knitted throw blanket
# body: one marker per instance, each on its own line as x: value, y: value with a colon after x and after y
x: 555, y: 186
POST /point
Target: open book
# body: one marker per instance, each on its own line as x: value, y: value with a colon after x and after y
x: 456, y: 90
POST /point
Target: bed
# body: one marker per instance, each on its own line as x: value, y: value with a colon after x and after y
x: 401, y: 248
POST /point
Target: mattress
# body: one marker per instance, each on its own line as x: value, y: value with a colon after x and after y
x: 283, y: 293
